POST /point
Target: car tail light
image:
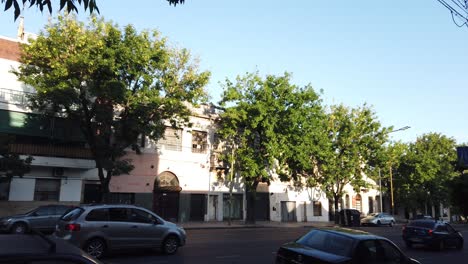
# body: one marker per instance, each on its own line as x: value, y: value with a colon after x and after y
x: 72, y: 227
x: 430, y: 232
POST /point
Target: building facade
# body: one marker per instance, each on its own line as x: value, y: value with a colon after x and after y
x: 179, y: 177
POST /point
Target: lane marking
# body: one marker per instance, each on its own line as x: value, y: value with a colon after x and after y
x: 231, y: 256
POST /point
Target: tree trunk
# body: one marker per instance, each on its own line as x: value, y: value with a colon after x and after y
x: 251, y: 193
x: 337, y: 214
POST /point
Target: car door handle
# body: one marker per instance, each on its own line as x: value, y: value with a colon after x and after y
x: 105, y: 226
x: 134, y: 226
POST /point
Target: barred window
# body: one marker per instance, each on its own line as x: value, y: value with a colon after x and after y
x: 317, y: 208
x: 47, y: 190
x: 199, y: 141
x: 172, y: 139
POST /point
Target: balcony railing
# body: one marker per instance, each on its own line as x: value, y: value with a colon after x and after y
x: 15, y: 97
x: 51, y: 151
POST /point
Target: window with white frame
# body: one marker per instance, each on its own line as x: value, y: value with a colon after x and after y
x: 172, y: 139
x: 317, y: 208
x: 199, y: 141
x: 47, y: 190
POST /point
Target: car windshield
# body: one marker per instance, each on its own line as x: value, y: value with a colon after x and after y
x: 374, y: 214
x: 328, y: 242
x: 72, y: 215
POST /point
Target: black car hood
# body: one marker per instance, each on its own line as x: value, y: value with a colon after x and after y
x: 315, y: 253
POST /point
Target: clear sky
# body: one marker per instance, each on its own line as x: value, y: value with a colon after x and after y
x: 407, y: 59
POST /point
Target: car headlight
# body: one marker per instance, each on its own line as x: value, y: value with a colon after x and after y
x: 5, y: 221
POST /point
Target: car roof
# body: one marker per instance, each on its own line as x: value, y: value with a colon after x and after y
x: 85, y: 206
x: 30, y: 244
x: 351, y: 233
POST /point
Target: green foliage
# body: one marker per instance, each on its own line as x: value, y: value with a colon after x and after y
x: 120, y: 84
x: 11, y: 164
x: 425, y: 171
x: 459, y: 193
x: 270, y: 123
x: 354, y: 142
x: 69, y: 5
x: 266, y: 119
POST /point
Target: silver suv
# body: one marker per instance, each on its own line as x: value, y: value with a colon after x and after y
x: 98, y: 229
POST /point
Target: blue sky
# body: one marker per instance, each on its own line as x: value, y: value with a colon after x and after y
x: 406, y: 59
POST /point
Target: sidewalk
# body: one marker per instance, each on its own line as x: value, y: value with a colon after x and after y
x: 258, y: 224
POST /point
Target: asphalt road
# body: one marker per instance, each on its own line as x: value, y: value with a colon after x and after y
x: 259, y: 245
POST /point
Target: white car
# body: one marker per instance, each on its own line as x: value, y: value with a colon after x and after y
x: 378, y: 219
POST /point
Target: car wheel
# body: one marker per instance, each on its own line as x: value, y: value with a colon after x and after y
x: 95, y: 247
x: 459, y: 244
x: 19, y: 228
x: 391, y: 223
x: 379, y: 223
x: 170, y: 245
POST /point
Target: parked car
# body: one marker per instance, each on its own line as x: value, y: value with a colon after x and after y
x: 43, y: 218
x: 36, y: 248
x: 432, y: 233
x: 421, y: 216
x: 99, y: 229
x: 378, y: 219
x: 340, y: 245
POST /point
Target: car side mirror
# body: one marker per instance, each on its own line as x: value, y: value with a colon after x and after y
x: 34, y: 214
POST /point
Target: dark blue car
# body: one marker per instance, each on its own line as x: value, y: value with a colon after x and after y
x: 341, y: 245
x: 432, y: 233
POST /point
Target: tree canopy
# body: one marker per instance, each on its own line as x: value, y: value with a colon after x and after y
x: 425, y: 171
x: 354, y: 139
x: 69, y: 5
x: 119, y: 84
x: 265, y: 118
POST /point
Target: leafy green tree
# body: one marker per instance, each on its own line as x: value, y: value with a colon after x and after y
x: 354, y: 140
x: 119, y: 84
x: 69, y: 5
x: 459, y: 193
x: 425, y: 171
x: 385, y: 168
x: 11, y: 164
x: 262, y: 117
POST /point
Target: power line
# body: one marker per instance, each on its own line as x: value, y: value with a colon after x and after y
x: 456, y: 9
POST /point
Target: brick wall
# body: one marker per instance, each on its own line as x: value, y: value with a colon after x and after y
x: 9, y: 50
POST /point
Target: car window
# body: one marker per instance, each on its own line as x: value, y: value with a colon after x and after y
x: 72, y: 215
x: 44, y: 211
x: 367, y: 252
x: 98, y: 215
x: 424, y: 224
x: 450, y: 228
x: 119, y: 214
x: 388, y: 253
x: 327, y: 242
x: 441, y: 228
x: 60, y: 210
x: 141, y: 216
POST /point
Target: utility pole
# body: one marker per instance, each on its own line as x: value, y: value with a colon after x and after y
x: 231, y: 183
x: 380, y: 186
x: 391, y: 191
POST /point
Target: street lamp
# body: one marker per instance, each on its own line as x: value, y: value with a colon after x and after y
x: 391, y: 178
x: 392, y: 207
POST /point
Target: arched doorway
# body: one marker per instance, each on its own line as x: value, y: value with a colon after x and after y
x: 359, y: 203
x: 166, y: 196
